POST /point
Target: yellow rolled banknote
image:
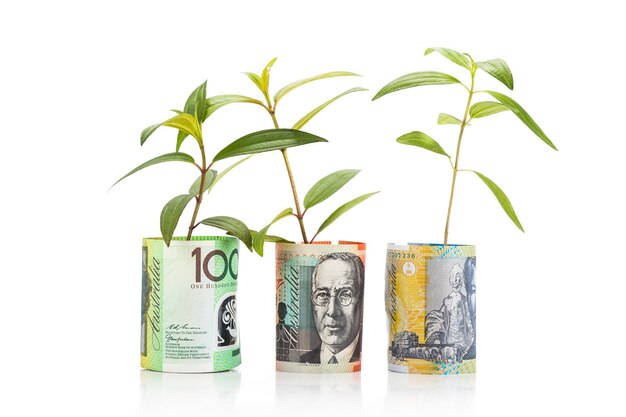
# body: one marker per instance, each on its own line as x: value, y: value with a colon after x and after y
x: 430, y: 298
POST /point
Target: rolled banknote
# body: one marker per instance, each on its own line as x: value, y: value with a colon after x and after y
x: 319, y: 307
x: 189, y: 306
x: 430, y: 298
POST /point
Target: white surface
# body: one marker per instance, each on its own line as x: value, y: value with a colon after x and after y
x: 80, y: 80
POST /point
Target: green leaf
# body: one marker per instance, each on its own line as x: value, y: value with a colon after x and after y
x: 171, y: 214
x: 145, y: 134
x: 259, y: 238
x: 265, y: 75
x: 185, y: 123
x: 341, y: 210
x: 422, y: 140
x: 267, y: 140
x: 523, y: 116
x: 454, y: 56
x: 486, y: 108
x: 300, y: 123
x: 416, y: 79
x: 194, y: 106
x: 502, y: 199
x: 195, y: 103
x: 226, y: 171
x: 291, y: 86
x: 168, y: 157
x: 209, y: 179
x: 233, y: 226
x: 255, y: 79
x: 216, y: 102
x: 499, y: 70
x: 328, y: 186
x: 446, y: 119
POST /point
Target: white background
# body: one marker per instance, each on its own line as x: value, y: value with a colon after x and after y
x: 80, y: 80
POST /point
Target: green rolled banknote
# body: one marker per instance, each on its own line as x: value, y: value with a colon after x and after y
x: 189, y: 305
x: 319, y: 307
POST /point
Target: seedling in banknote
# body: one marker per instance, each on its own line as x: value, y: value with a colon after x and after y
x: 431, y: 288
x: 473, y: 111
x: 315, y: 279
x: 189, y: 123
x: 188, y: 304
x: 280, y: 139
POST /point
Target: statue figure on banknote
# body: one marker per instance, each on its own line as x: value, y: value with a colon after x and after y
x: 337, y: 292
x: 452, y: 323
x: 469, y: 272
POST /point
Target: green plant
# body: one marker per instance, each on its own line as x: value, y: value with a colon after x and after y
x: 498, y: 69
x: 189, y: 122
x: 278, y: 139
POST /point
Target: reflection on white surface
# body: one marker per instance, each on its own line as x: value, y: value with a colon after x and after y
x: 448, y: 395
x: 304, y: 394
x: 165, y: 393
x: 234, y: 393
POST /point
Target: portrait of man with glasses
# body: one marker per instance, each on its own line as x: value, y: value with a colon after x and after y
x: 337, y: 302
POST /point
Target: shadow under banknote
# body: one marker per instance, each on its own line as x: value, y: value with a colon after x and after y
x: 163, y: 393
x: 453, y: 394
x: 307, y: 392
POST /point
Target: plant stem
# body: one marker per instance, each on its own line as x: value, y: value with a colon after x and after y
x: 203, y: 172
x: 455, y: 169
x: 299, y: 213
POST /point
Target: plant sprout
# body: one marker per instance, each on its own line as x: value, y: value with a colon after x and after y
x: 189, y: 122
x: 280, y: 139
x: 498, y: 69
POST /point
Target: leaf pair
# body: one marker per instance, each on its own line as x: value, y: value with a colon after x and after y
x: 262, y: 81
x: 173, y: 209
x: 424, y: 141
x: 328, y: 186
x: 198, y: 108
x: 197, y: 100
x: 497, y: 68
